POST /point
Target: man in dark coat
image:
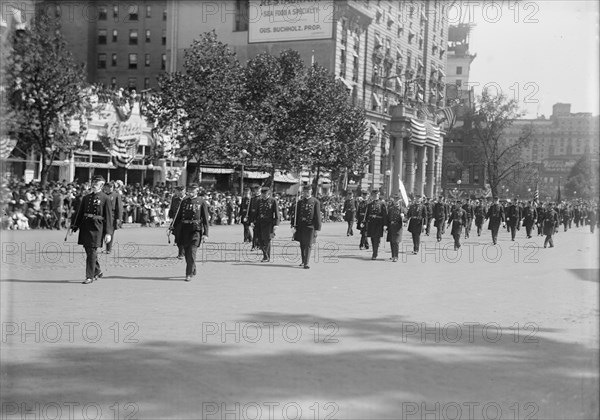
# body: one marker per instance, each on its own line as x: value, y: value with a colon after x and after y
x: 266, y: 221
x: 117, y: 207
x: 551, y: 223
x: 479, y: 214
x: 253, y: 210
x: 176, y: 228
x: 417, y: 216
x: 349, y: 211
x: 429, y: 209
x: 193, y: 216
x: 361, y: 221
x: 513, y: 218
x: 529, y: 218
x: 458, y: 218
x: 244, y: 214
x: 393, y: 222
x: 94, y: 220
x: 439, y: 217
x: 375, y: 216
x: 470, y: 214
x: 306, y: 220
x: 540, y: 217
x: 592, y: 216
x: 495, y: 215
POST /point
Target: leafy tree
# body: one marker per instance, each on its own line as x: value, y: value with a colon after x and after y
x: 46, y: 91
x: 583, y: 179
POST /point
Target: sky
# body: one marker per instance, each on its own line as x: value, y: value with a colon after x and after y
x: 538, y: 52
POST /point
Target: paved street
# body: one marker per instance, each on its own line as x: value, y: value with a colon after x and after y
x: 505, y: 332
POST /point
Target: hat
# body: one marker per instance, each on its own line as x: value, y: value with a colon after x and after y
x: 119, y: 183
x: 264, y: 189
x: 179, y: 188
x: 192, y: 186
x: 364, y: 192
x: 98, y: 178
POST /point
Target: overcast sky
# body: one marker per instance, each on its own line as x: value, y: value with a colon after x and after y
x: 542, y: 52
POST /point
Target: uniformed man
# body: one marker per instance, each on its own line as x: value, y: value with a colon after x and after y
x: 439, y: 217
x: 376, y: 215
x: 176, y: 228
x: 458, y: 219
x: 513, y: 218
x: 252, y: 216
x: 529, y: 218
x: 417, y: 216
x: 393, y: 223
x: 361, y: 221
x: 479, y: 214
x: 193, y: 216
x: 429, y: 209
x: 349, y: 211
x: 266, y: 221
x: 540, y: 217
x: 306, y: 221
x: 470, y: 215
x: 244, y: 214
x: 550, y: 223
x: 94, y: 220
x: 495, y: 214
x: 117, y: 207
x: 592, y: 216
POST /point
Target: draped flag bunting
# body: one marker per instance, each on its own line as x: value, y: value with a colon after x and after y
x: 447, y: 114
x: 418, y: 133
x: 6, y: 147
x: 121, y: 141
x: 536, y: 194
x: 433, y: 134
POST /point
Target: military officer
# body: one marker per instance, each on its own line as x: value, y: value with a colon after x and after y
x: 193, y: 216
x: 417, y: 216
x: 361, y: 221
x: 117, y: 207
x: 470, y: 214
x: 244, y: 214
x: 458, y: 218
x: 252, y: 216
x: 439, y: 217
x: 176, y: 228
x: 266, y: 221
x: 479, y: 214
x: 429, y: 208
x: 495, y: 214
x: 349, y: 211
x: 529, y: 218
x: 375, y: 216
x: 306, y: 222
x: 94, y: 220
x: 393, y: 222
x: 550, y: 223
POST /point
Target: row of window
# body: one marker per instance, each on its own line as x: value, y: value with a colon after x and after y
x: 133, y: 36
x: 133, y: 61
x: 132, y: 83
x: 133, y: 12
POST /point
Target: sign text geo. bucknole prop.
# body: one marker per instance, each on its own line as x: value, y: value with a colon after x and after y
x: 289, y: 20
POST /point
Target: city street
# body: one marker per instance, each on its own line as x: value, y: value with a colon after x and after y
x: 504, y: 332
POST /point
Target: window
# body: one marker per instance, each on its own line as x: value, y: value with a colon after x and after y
x: 102, y: 36
x: 146, y: 83
x: 133, y: 61
x: 343, y: 63
x: 102, y: 13
x: 115, y: 12
x: 459, y: 70
x: 163, y: 61
x: 459, y: 82
x: 147, y: 60
x: 148, y: 11
x: 133, y: 36
x: 132, y: 83
x: 114, y: 60
x: 147, y: 35
x: 164, y: 37
x: 241, y: 15
x: 133, y: 12
x: 113, y: 82
x: 101, y: 61
x: 115, y: 35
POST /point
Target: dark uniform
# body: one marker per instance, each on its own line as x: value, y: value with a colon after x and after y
x: 376, y: 215
x: 439, y: 218
x: 244, y: 214
x: 349, y: 214
x: 495, y: 214
x: 529, y: 218
x: 429, y: 209
x: 176, y: 227
x: 513, y: 219
x: 253, y: 210
x: 417, y: 216
x: 307, y: 221
x: 265, y: 220
x: 393, y: 223
x: 550, y: 223
x: 592, y: 216
x: 458, y: 218
x: 361, y: 222
x: 470, y: 215
x: 117, y: 203
x: 540, y: 217
x: 194, y: 218
x: 94, y: 219
x: 479, y: 214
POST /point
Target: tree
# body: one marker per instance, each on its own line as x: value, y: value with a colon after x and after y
x: 501, y: 156
x: 46, y: 91
x: 583, y: 179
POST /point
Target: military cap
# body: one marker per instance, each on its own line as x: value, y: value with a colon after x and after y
x: 192, y: 186
x: 264, y: 189
x: 179, y: 188
x: 98, y: 178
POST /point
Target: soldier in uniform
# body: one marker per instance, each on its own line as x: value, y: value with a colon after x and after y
x: 117, y: 203
x: 417, y: 215
x: 349, y: 211
x: 529, y: 218
x: 550, y: 223
x: 439, y: 217
x: 361, y: 221
x: 176, y: 228
x: 470, y: 214
x: 266, y: 221
x: 376, y: 215
x: 540, y: 217
x: 393, y: 222
x: 306, y: 221
x: 429, y: 208
x: 94, y: 220
x: 244, y: 214
x: 592, y: 216
x: 495, y: 214
x: 458, y: 218
x: 193, y: 216
x: 479, y: 214
x: 513, y: 218
x: 252, y: 215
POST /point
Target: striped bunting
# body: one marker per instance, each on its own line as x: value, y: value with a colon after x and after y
x: 418, y: 134
x: 6, y: 147
x: 433, y: 134
x: 447, y: 114
x: 122, y: 150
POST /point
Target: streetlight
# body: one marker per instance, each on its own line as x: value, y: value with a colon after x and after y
x: 458, y: 188
x: 244, y: 153
x: 388, y: 174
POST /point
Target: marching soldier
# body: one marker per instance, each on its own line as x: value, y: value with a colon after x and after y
x: 266, y: 221
x: 479, y: 214
x: 470, y: 214
x: 592, y: 216
x: 495, y: 214
x: 375, y: 216
x: 529, y: 218
x: 252, y: 215
x: 429, y: 208
x: 541, y: 211
x: 349, y: 211
x: 458, y: 218
x: 306, y: 221
x: 513, y: 218
x: 393, y: 222
x: 176, y: 228
x: 117, y: 207
x: 439, y: 217
x: 244, y: 214
x: 550, y: 223
x: 417, y: 215
x: 361, y: 222
x: 94, y: 220
x: 194, y: 218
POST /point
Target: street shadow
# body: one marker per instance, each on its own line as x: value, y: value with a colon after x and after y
x: 40, y: 281
x: 587, y: 274
x: 109, y: 277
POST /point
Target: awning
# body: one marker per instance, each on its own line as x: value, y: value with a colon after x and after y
x: 374, y: 128
x: 216, y: 170
x: 255, y: 175
x: 441, y: 72
x: 399, y: 52
x: 399, y: 81
x: 376, y: 99
x: 285, y: 178
x: 378, y: 42
x: 420, y: 63
x: 346, y: 83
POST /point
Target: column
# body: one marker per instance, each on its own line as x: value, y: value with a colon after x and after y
x: 420, y: 181
x: 438, y: 168
x: 397, y: 163
x: 430, y: 172
x: 410, y: 168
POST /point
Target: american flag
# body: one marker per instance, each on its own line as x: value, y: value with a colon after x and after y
x: 536, y: 194
x: 448, y: 115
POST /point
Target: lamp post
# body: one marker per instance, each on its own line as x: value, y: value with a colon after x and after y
x: 244, y: 153
x: 458, y: 188
x: 388, y: 174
